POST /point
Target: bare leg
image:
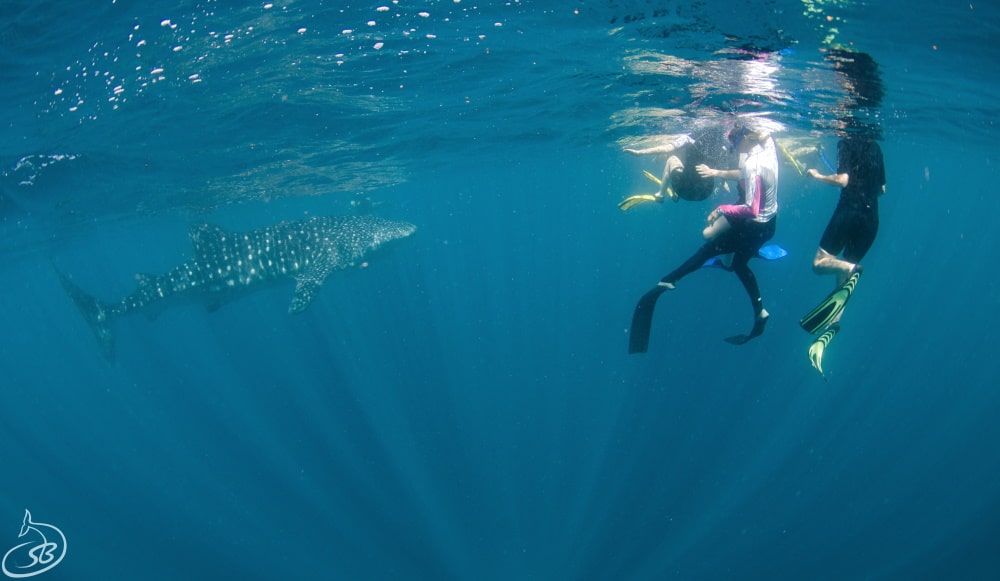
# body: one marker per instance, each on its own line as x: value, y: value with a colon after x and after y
x: 673, y: 164
x: 826, y: 263
x: 719, y: 226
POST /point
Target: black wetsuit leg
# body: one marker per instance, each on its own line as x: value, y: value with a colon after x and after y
x: 752, y: 236
x: 852, y: 230
x: 863, y: 233
x: 741, y: 268
x: 744, y: 239
x: 723, y: 244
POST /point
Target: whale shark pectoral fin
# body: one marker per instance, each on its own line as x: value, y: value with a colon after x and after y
x: 306, y: 288
x: 308, y: 283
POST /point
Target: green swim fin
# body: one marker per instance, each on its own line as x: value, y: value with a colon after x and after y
x: 818, y: 347
x: 832, y: 305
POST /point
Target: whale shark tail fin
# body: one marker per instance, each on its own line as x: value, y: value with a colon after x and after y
x: 96, y: 313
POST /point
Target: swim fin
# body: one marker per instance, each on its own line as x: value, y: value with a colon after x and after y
x: 632, y: 201
x: 832, y: 305
x: 725, y: 261
x: 758, y: 329
x: 642, y: 320
x: 818, y: 347
x: 668, y: 190
x: 771, y: 252
x: 791, y: 158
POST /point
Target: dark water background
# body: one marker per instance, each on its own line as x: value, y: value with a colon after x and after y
x: 464, y: 408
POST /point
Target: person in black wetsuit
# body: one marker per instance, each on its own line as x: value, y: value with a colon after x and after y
x: 854, y: 224
x: 685, y: 152
x: 861, y: 176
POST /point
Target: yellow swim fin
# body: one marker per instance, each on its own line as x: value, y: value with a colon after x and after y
x: 791, y: 159
x: 636, y: 200
x: 669, y: 191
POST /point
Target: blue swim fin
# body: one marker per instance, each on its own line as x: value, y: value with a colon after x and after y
x: 769, y: 252
x: 772, y: 252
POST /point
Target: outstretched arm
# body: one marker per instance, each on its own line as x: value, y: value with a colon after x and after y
x: 726, y: 174
x: 836, y: 179
x: 666, y: 148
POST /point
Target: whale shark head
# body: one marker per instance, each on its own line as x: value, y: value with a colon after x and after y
x: 389, y: 230
x: 379, y: 231
x: 353, y: 238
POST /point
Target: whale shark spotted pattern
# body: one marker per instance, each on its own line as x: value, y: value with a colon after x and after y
x: 225, y: 264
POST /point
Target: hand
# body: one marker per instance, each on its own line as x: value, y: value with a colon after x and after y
x: 633, y: 151
x: 813, y: 174
x: 705, y: 171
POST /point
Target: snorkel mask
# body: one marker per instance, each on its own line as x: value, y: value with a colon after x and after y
x: 736, y: 136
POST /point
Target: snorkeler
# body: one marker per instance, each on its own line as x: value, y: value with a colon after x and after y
x: 741, y: 229
x: 861, y: 176
x: 680, y: 180
x: 850, y: 233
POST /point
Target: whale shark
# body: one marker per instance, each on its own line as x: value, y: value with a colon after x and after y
x: 226, y: 264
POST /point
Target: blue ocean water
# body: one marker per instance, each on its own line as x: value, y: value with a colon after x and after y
x: 465, y: 407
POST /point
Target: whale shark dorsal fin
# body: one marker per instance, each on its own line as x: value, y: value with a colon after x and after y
x: 205, y: 236
x: 309, y: 281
